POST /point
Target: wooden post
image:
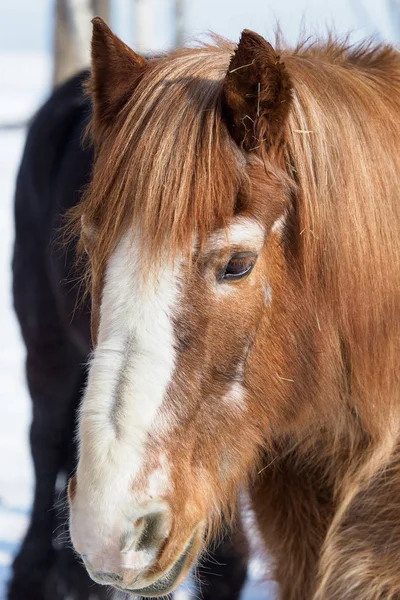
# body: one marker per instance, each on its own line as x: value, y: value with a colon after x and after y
x: 142, y: 25
x: 65, y: 54
x: 102, y: 8
x: 72, y: 35
x: 179, y: 23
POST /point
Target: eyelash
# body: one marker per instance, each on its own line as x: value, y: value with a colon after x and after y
x: 238, y: 267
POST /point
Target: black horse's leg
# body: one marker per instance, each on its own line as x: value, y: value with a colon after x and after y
x: 51, y: 390
x: 223, y: 571
x: 50, y: 396
x: 54, y: 378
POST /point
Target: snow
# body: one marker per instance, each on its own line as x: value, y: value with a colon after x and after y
x: 24, y: 80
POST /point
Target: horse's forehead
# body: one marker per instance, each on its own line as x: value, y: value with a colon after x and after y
x: 136, y: 291
x: 241, y: 231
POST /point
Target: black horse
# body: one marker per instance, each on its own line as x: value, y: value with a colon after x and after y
x: 55, y: 324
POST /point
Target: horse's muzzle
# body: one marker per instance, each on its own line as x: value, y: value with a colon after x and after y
x: 139, y: 554
x: 152, y: 583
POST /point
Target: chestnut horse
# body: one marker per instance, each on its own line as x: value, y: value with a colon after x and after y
x: 242, y: 231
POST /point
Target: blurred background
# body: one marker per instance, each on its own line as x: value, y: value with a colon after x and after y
x: 41, y: 43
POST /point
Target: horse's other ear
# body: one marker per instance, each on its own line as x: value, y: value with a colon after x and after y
x: 257, y: 94
x: 115, y: 71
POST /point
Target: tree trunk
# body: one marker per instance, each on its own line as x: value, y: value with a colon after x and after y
x: 72, y: 35
x: 65, y: 55
x: 179, y: 23
x: 102, y: 8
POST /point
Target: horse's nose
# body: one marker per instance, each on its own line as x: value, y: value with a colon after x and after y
x: 123, y: 554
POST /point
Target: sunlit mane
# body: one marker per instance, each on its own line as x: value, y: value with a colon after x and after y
x: 343, y: 124
x: 170, y: 168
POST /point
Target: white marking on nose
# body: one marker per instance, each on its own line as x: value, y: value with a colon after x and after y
x: 130, y: 371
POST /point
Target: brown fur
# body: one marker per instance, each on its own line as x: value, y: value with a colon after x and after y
x: 115, y: 78
x: 319, y: 434
x: 257, y: 94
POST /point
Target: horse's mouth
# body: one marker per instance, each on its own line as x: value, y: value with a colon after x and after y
x: 167, y: 582
x: 175, y: 574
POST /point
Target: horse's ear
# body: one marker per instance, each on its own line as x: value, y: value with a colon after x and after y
x: 257, y: 93
x: 115, y: 71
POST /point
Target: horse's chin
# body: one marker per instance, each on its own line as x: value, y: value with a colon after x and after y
x: 165, y: 583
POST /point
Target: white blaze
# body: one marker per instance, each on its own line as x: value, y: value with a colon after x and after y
x: 128, y: 378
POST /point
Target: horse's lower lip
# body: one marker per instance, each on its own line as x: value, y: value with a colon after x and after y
x: 166, y: 583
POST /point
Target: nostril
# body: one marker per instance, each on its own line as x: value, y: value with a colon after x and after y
x: 148, y: 533
x: 153, y: 532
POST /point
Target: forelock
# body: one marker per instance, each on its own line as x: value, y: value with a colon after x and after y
x: 170, y: 167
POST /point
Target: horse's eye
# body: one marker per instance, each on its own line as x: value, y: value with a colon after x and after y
x: 239, y: 266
